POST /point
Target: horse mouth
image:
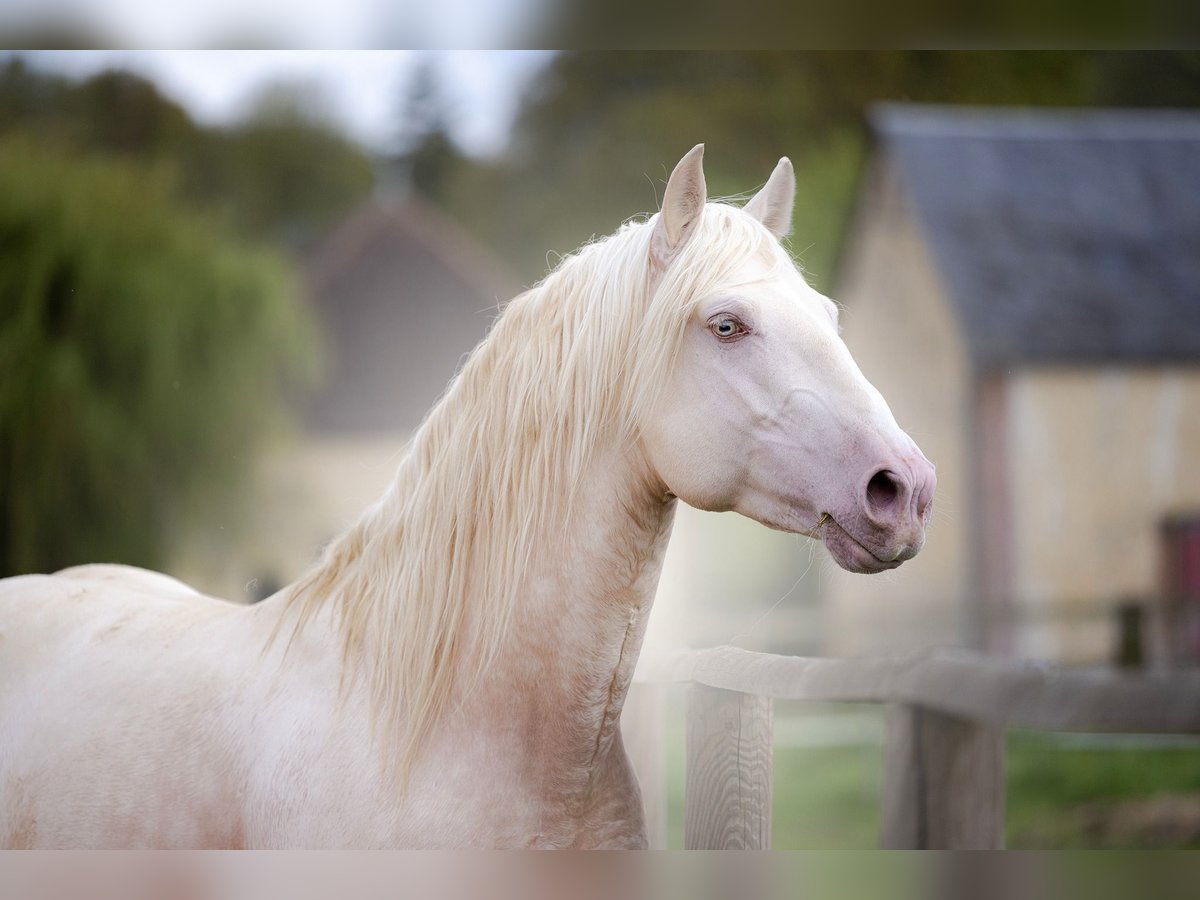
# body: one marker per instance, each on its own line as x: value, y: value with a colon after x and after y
x: 850, y: 553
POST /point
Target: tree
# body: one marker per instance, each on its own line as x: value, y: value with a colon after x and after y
x: 282, y: 173
x: 426, y: 157
x: 595, y: 139
x: 143, y: 354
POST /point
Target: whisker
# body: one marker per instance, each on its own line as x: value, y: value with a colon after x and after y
x: 811, y: 534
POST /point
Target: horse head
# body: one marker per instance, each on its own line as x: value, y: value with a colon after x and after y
x: 764, y: 411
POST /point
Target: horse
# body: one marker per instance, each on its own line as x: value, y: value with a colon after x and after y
x: 451, y: 671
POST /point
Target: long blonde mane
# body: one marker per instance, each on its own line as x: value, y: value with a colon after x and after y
x: 425, y: 585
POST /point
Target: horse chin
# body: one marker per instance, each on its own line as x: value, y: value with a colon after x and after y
x: 850, y: 554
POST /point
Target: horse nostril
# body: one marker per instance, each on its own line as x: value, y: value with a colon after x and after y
x: 883, y: 490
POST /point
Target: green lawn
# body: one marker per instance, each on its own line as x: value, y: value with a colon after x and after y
x: 1064, y: 791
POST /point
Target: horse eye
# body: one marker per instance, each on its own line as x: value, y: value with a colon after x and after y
x: 727, y: 327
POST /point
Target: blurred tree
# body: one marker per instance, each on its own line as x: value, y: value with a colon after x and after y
x: 432, y: 163
x: 1148, y: 78
x: 426, y: 156
x: 422, y: 106
x: 142, y: 356
x: 578, y: 159
x: 119, y: 113
x: 284, y: 172
x: 27, y: 98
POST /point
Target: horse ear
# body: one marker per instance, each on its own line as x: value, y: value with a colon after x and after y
x: 683, y: 202
x: 773, y: 204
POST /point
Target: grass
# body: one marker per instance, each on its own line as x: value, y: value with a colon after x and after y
x: 1067, y: 792
x: 1064, y: 791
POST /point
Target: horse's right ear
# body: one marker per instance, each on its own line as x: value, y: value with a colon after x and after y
x: 683, y: 202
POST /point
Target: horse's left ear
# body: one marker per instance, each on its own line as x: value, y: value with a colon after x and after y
x: 683, y: 202
x: 773, y: 204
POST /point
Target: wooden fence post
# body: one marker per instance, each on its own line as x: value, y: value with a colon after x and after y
x: 728, y: 770
x: 943, y: 782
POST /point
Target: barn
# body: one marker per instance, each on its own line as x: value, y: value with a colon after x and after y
x: 1024, y: 287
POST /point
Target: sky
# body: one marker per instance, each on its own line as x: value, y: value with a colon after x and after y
x: 363, y: 91
x: 280, y: 23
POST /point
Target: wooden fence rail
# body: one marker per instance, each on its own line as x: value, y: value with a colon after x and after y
x: 943, y: 784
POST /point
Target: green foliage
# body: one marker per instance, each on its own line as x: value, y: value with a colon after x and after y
x: 142, y: 355
x: 280, y: 174
x: 142, y: 349
x: 595, y: 139
x: 283, y: 173
x: 431, y: 164
x: 428, y: 158
x: 1067, y: 793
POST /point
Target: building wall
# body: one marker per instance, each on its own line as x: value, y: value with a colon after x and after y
x: 1097, y: 458
x: 305, y: 493
x: 898, y: 324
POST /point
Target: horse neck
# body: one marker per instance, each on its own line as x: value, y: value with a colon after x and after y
x: 566, y: 668
x: 512, y: 563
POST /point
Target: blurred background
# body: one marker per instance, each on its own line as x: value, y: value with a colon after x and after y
x: 231, y: 284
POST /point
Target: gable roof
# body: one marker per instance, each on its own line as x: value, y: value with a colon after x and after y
x: 1062, y: 236
x: 402, y: 294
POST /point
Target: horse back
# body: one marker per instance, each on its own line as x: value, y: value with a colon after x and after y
x: 114, y: 688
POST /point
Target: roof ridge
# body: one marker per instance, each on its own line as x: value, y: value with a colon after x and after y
x: 1027, y: 122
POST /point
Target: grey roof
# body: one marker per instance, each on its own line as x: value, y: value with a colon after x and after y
x: 1062, y: 236
x: 402, y: 295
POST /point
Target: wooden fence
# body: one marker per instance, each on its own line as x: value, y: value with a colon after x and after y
x: 946, y: 712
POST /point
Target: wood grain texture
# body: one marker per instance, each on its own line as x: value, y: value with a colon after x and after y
x: 958, y: 683
x: 729, y: 770
x: 943, y: 782
x: 944, y: 759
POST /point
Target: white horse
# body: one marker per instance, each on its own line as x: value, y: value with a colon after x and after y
x: 452, y: 672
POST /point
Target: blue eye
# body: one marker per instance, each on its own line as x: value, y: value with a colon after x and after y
x: 727, y: 327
